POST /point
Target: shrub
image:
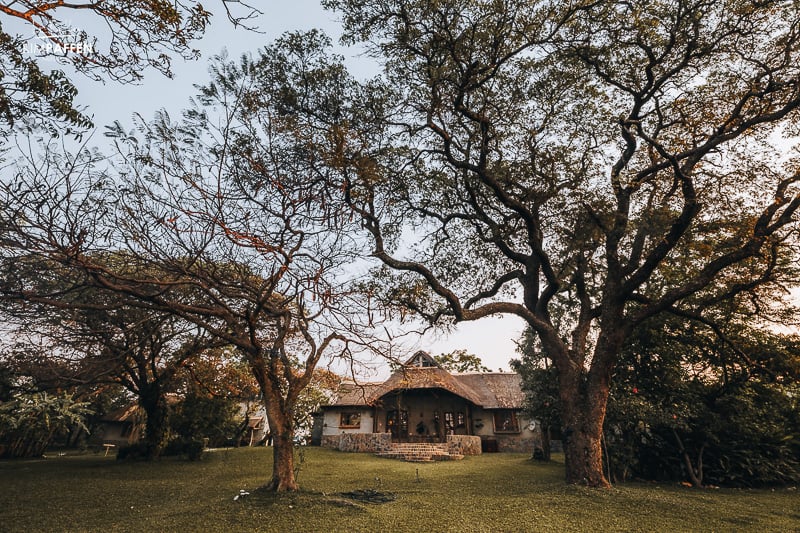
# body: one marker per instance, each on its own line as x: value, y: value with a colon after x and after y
x: 138, y: 451
x: 29, y: 422
x: 197, y: 417
x: 191, y: 448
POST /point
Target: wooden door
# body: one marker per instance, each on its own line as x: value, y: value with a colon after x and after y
x: 397, y: 423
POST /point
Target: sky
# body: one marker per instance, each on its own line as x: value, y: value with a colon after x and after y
x: 110, y: 101
x: 492, y: 339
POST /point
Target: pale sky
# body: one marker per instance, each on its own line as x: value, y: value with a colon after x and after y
x: 113, y: 101
x: 492, y: 339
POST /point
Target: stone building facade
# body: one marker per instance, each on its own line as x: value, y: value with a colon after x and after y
x: 422, y: 402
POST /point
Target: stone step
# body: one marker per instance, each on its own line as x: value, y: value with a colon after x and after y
x: 403, y: 446
x: 420, y: 449
x: 419, y: 452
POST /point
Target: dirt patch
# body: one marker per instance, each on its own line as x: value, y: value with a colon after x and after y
x: 369, y: 496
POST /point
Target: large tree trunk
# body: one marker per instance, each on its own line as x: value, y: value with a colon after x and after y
x: 156, y: 430
x: 584, y: 396
x: 283, y: 473
x: 583, y: 393
x: 281, y: 426
x: 582, y: 439
x: 546, y: 437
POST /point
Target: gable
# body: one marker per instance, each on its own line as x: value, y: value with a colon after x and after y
x: 421, y: 360
x: 408, y: 378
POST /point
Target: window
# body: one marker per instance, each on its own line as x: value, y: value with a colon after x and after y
x: 454, y: 420
x: 350, y: 419
x: 423, y: 361
x: 505, y: 421
x: 448, y: 420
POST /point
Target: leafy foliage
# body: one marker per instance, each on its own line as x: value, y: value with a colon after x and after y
x: 319, y: 391
x: 191, y: 448
x: 138, y: 34
x: 73, y: 335
x: 199, y: 417
x: 32, y: 99
x: 29, y: 422
x: 540, y: 385
x: 461, y: 361
x: 671, y: 415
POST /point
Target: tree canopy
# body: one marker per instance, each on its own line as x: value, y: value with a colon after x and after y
x: 461, y: 361
x: 584, y: 166
x: 118, y: 42
x: 224, y: 220
x: 71, y: 335
x: 688, y: 405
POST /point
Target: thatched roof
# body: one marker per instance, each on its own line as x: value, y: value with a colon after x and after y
x: 498, y: 390
x: 355, y: 394
x: 417, y: 378
x: 490, y: 390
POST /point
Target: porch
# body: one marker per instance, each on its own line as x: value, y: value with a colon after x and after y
x: 423, y: 416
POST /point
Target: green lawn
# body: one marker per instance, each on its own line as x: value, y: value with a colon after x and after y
x: 495, y: 492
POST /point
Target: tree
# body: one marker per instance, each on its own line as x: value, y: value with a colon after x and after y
x: 143, y: 351
x: 540, y: 385
x: 137, y: 35
x: 320, y: 391
x: 214, y: 388
x: 461, y: 361
x: 231, y: 228
x: 198, y: 416
x: 585, y: 166
x: 120, y: 40
x: 89, y: 337
x: 689, y: 405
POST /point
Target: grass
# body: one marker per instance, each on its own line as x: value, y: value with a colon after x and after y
x: 493, y: 492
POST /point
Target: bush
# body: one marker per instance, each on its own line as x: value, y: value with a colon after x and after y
x: 197, y: 417
x: 191, y: 448
x: 138, y: 451
x: 30, y: 422
x: 744, y: 435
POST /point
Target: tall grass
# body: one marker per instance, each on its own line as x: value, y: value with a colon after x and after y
x: 493, y: 492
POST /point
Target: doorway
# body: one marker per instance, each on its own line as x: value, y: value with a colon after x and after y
x: 397, y: 423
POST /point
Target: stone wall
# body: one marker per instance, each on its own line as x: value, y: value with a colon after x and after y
x: 381, y: 442
x: 517, y: 443
x: 358, y: 442
x: 464, y: 444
